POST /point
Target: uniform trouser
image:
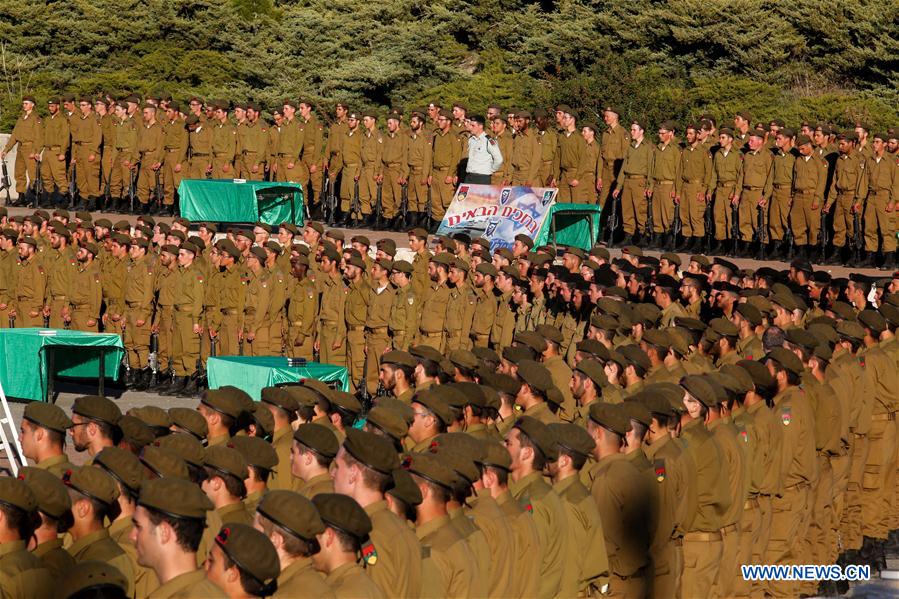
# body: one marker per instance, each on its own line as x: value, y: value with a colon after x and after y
x: 667, y: 564
x: 702, y: 553
x: 728, y: 568
x: 480, y: 340
x: 749, y: 203
x: 608, y: 182
x: 585, y: 192
x: 692, y: 209
x: 851, y: 524
x: 24, y: 165
x: 53, y: 172
x: 348, y: 175
x: 633, y: 204
x: 788, y: 512
x: 80, y: 316
x: 227, y: 334
x: 842, y: 218
x: 840, y: 465
x: 107, y: 167
x: 566, y: 191
x: 87, y: 174
x: 627, y: 587
x: 327, y: 336
x: 170, y: 181
x: 164, y: 338
x: 119, y: 177
x: 880, y: 475
x: 355, y: 346
x: 760, y: 548
x: 750, y: 529
x: 276, y: 337
x: 137, y: 340
x: 434, y: 339
x: 259, y: 346
x: 418, y: 191
x: 196, y: 167
x: 4, y: 315
x: 805, y: 221
x: 297, y: 174
x: 893, y: 520
x: 315, y: 185
x: 185, y: 344
x: 24, y: 308
x: 56, y: 307
x: 821, y: 520
x: 721, y: 210
x: 441, y: 192
x: 879, y: 222
x: 246, y: 162
x: 779, y: 212
x: 299, y: 345
x: 218, y: 167
x: 455, y: 341
x: 368, y: 189
x: 376, y: 341
x: 146, y: 182
x: 662, y: 206
x: 391, y: 193
x: 544, y: 173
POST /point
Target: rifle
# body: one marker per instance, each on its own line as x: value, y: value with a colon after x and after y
x: 158, y: 189
x: 356, y: 206
x: 132, y: 186
x: 240, y: 346
x: 709, y: 226
x: 107, y: 192
x: 428, y: 207
x: 676, y: 226
x: 213, y: 347
x: 73, y: 188
x: 857, y: 244
x: 5, y: 183
x: 38, y: 183
x: 789, y: 237
x: 650, y: 224
x: 332, y: 202
x: 404, y: 203
x: 378, y: 207
x: 12, y: 321
x: 761, y: 233
x: 734, y: 227
x: 200, y: 373
x: 125, y: 363
x: 822, y: 234
x: 613, y: 220
x: 154, y: 357
x: 326, y: 208
x: 362, y: 388
x: 46, y: 322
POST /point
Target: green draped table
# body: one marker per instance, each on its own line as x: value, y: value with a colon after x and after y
x: 31, y: 358
x: 224, y: 201
x: 253, y: 373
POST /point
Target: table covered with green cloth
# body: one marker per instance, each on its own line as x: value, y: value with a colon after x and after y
x: 253, y: 373
x: 25, y: 358
x: 224, y: 201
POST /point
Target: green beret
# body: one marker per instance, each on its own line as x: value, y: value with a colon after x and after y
x: 539, y: 435
x: 184, y: 445
x: 486, y: 268
x: 594, y: 371
x: 402, y: 266
x: 292, y: 512
x: 610, y: 416
x: 97, y: 408
x: 658, y: 337
x: 430, y: 467
x: 724, y: 327
x: 635, y: 410
x: 786, y: 359
x: 251, y: 551
x: 635, y: 356
x: 572, y: 438
x: 389, y: 420
x: 736, y: 379
x: 873, y: 320
x: 657, y: 403
x: 226, y: 460
x: 317, y: 438
x: 535, y: 375
x: 135, y: 432
x: 175, y: 497
x: 47, y: 415
x: 404, y: 488
x: 435, y: 403
x: 750, y: 312
x: 153, y: 416
x: 399, y: 358
x: 280, y: 398
x: 222, y: 401
x: 165, y: 463
x: 256, y: 451
x: 189, y: 420
x: 93, y: 482
x: 444, y: 258
x: 374, y: 451
x: 494, y: 454
x: 49, y: 491
x: 463, y: 359
x: 122, y: 465
x: 700, y: 388
x: 93, y: 578
x: 345, y: 402
x: 343, y: 513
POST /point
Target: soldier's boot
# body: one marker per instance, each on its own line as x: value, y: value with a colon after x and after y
x: 142, y: 380
x: 373, y: 221
x: 434, y: 225
x: 868, y: 261
x: 177, y: 386
x: 889, y: 261
x: 129, y: 378
x: 164, y: 381
x: 192, y: 386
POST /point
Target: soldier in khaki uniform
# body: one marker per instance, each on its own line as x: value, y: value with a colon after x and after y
x: 347, y: 163
x: 754, y: 185
x: 548, y: 139
x: 331, y: 333
x: 224, y: 142
x: 104, y: 107
x: 302, y: 310
x: 22, y: 574
x: 290, y: 145
x: 570, y: 158
x: 31, y: 286
x: 175, y: 143
x: 150, y: 153
x: 591, y: 166
x: 86, y: 139
x: 60, y: 263
x: 56, y: 144
x: 371, y: 174
x: 200, y: 140
x: 256, y: 328
x: 188, y: 307
x: 226, y: 322
x: 355, y: 314
x: 123, y: 146
x: 137, y: 302
x: 883, y: 193
x: 486, y: 305
x: 86, y: 294
x: 692, y: 188
x: 727, y: 168
x: 527, y: 155
x: 781, y: 191
x: 445, y: 157
x: 615, y: 141
x: 432, y: 317
x: 847, y: 191
x: 666, y: 166
x: 809, y: 185
x: 28, y: 134
x: 418, y: 158
x: 395, y: 169
x: 402, y: 323
x: 8, y: 269
x: 336, y: 130
x: 377, y: 332
x: 499, y: 126
x: 460, y: 307
x: 254, y: 151
x: 311, y: 153
x: 633, y: 182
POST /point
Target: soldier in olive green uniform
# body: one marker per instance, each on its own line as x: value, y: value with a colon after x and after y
x: 692, y: 188
x: 256, y: 327
x: 847, y: 192
x: 527, y: 155
x: 200, y: 139
x: 460, y: 308
x: 377, y: 337
x: 781, y: 190
x: 31, y: 286
x: 570, y: 160
x: 433, y: 307
x: 809, y: 185
x: 188, y: 307
x: 883, y: 193
x: 86, y: 139
x: 754, y: 184
x: 226, y: 322
x: 224, y: 143
x: 86, y: 294
x: 371, y: 173
x: 486, y: 305
x: 503, y: 136
x: 419, y: 161
x: 290, y: 146
x: 175, y: 142
x: 253, y: 145
x: 311, y: 152
x: 150, y: 147
x: 302, y: 310
x: 56, y: 144
x: 727, y: 168
x: 548, y: 139
x: 163, y: 316
x: 137, y: 300
x: 124, y: 160
x: 615, y: 141
x: 348, y: 164
x: 446, y: 153
x: 28, y: 134
x: 402, y: 322
x: 633, y: 182
x: 355, y: 313
x: 395, y: 169
x: 22, y: 574
x: 60, y: 263
x: 331, y: 333
x: 666, y: 165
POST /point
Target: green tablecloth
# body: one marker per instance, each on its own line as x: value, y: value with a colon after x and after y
x: 575, y: 224
x: 252, y: 373
x: 24, y: 358
x: 224, y: 201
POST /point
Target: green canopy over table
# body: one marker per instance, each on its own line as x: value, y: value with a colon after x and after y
x: 253, y: 373
x: 30, y: 358
x: 224, y: 201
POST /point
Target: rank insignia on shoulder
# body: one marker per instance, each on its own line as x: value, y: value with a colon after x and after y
x: 411, y: 300
x: 744, y: 435
x: 529, y: 508
x: 659, y: 468
x: 786, y: 415
x: 369, y: 554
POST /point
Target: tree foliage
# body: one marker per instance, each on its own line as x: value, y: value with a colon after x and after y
x: 831, y: 60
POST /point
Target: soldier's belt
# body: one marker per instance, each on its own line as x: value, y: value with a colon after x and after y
x: 295, y: 323
x: 121, y: 149
x: 432, y: 334
x: 218, y: 154
x: 729, y: 529
x: 57, y: 297
x: 197, y: 154
x: 804, y: 191
x: 376, y: 329
x: 610, y: 162
x: 692, y: 181
x: 441, y: 168
x: 284, y: 154
x: 752, y: 188
x: 702, y: 536
x: 394, y: 164
x: 725, y: 184
x: 635, y: 176
x: 229, y: 312
x: 172, y: 149
x: 79, y: 143
x: 664, y: 181
x: 246, y: 152
x: 883, y: 417
x: 782, y: 185
x: 355, y: 327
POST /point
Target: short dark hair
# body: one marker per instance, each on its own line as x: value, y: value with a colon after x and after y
x: 234, y: 485
x: 539, y: 456
x: 371, y: 478
x: 250, y: 584
x: 293, y: 545
x: 22, y: 521
x: 188, y: 531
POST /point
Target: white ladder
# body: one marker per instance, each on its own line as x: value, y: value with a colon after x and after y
x: 9, y: 437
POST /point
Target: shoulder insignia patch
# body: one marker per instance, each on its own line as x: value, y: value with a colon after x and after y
x: 659, y: 468
x: 529, y: 508
x: 369, y: 554
x: 311, y: 294
x: 411, y: 300
x: 786, y: 415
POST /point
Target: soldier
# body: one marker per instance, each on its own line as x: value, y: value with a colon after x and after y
x: 371, y: 174
x: 336, y: 131
x: 883, y: 192
x: 486, y: 305
x: 727, y: 168
x: 432, y: 317
x: 591, y: 165
x: 782, y: 192
x: 150, y: 153
x: 302, y: 310
x: 253, y: 145
x: 666, y: 165
x: 445, y: 158
x: 419, y: 161
x: 395, y: 168
x: 754, y: 187
x: 569, y: 157
x: 632, y: 183
x: 242, y: 561
x: 224, y: 142
x: 137, y: 302
x: 54, y: 505
x: 311, y: 153
x: 23, y: 573
x: 615, y: 141
x: 200, y: 141
x: 174, y: 157
x: 86, y: 292
x: 847, y: 190
x: 60, y: 263
x: 526, y: 156
x: 188, y: 306
x: 86, y: 139
x: 56, y: 144
x: 355, y: 313
x: 502, y: 175
x: 123, y: 165
x: 105, y: 111
x: 42, y: 434
x: 377, y: 332
x: 347, y: 164
x: 28, y: 135
x: 403, y: 320
x: 314, y: 448
x: 548, y: 139
x: 31, y: 285
x: 256, y: 327
x: 290, y: 145
x: 331, y: 333
x: 809, y: 185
